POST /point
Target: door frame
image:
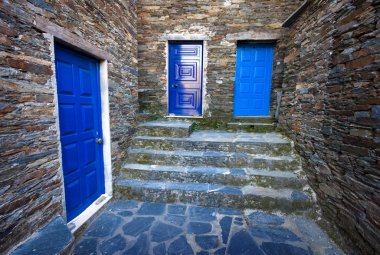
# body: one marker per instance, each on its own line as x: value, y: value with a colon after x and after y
x: 78, y: 221
x: 272, y: 43
x: 203, y: 42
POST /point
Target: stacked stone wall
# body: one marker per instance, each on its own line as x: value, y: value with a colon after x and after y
x: 331, y: 109
x: 30, y: 176
x: 220, y: 24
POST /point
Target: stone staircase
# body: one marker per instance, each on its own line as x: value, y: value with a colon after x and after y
x: 168, y: 162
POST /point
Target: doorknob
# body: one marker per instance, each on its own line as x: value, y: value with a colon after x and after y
x: 99, y: 140
x: 175, y: 85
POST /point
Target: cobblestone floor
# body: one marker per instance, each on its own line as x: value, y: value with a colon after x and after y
x: 138, y: 228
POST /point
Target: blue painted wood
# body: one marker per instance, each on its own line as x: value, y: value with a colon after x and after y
x: 80, y: 124
x: 185, y: 78
x: 253, y: 79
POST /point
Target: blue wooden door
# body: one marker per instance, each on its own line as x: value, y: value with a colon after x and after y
x: 80, y: 129
x: 185, y: 79
x: 253, y: 79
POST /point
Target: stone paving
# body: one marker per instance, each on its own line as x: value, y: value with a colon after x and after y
x: 138, y: 228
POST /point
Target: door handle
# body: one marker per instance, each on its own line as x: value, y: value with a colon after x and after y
x: 99, y: 140
x: 175, y: 85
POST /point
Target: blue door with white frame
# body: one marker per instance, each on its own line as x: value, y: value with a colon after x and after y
x: 185, y: 78
x: 253, y: 79
x: 79, y: 107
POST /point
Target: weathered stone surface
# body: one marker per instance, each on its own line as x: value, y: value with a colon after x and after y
x: 225, y: 224
x: 86, y: 246
x: 257, y: 218
x: 53, y: 238
x: 199, y: 228
x: 138, y: 225
x: 282, y: 248
x: 207, y: 242
x: 180, y: 247
x: 159, y: 249
x: 104, y: 226
x: 178, y: 220
x: 276, y: 234
x: 177, y: 209
x: 242, y: 243
x: 140, y: 247
x: 113, y: 245
x: 163, y: 232
x: 330, y: 107
x: 152, y: 209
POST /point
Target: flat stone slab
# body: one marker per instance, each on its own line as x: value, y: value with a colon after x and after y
x: 204, y: 231
x: 168, y: 124
x: 51, y: 239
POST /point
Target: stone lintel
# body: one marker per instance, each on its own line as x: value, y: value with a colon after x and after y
x: 268, y: 35
x: 66, y: 37
x: 184, y: 37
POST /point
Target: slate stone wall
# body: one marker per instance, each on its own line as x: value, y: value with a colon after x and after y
x: 220, y: 24
x: 331, y: 107
x: 30, y: 175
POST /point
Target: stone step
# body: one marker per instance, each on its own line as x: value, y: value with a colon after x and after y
x: 173, y: 128
x: 251, y: 126
x: 271, y: 143
x: 211, y: 158
x: 211, y: 195
x: 54, y: 238
x: 215, y: 175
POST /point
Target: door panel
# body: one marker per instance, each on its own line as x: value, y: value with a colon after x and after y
x: 80, y: 124
x: 253, y: 79
x: 185, y: 79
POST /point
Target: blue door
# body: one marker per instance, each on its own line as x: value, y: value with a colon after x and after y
x: 185, y: 78
x: 80, y: 129
x: 253, y: 79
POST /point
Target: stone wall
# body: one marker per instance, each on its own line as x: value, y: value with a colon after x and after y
x: 331, y: 109
x: 30, y: 177
x: 220, y: 24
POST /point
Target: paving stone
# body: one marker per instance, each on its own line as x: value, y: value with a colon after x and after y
x: 202, y: 213
x: 177, y: 209
x: 53, y: 238
x: 138, y: 225
x: 229, y: 211
x: 175, y: 219
x: 152, y: 209
x: 299, y: 196
x: 221, y: 251
x: 163, y: 232
x: 199, y: 228
x: 239, y: 223
x: 125, y: 213
x: 242, y: 243
x: 180, y: 247
x: 141, y: 247
x: 265, y: 218
x: 275, y: 234
x: 283, y: 249
x: 86, y: 246
x: 113, y: 245
x: 225, y: 224
x: 122, y: 205
x: 203, y: 253
x: 159, y: 249
x: 104, y: 226
x: 207, y: 241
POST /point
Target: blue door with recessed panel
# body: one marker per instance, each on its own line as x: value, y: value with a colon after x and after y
x: 185, y: 78
x: 78, y: 91
x: 253, y: 79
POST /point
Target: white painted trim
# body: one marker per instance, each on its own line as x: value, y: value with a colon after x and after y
x: 78, y: 221
x: 103, y: 70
